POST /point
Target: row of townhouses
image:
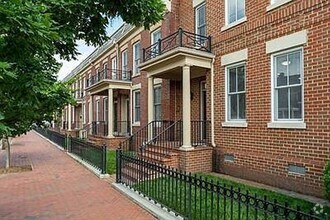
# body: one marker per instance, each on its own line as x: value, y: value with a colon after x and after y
x: 245, y: 83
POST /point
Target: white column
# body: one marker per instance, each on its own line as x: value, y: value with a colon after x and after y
x: 186, y: 113
x: 90, y: 113
x: 69, y: 117
x: 73, y: 115
x: 110, y: 113
x: 151, y: 116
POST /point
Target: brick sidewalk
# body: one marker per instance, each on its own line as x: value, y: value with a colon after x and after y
x: 58, y: 188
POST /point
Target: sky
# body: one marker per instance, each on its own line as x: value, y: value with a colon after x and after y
x: 84, y: 50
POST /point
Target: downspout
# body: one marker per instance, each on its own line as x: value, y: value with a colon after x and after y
x: 212, y: 104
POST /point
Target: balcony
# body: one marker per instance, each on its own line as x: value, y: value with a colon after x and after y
x: 180, y: 38
x: 165, y: 58
x: 114, y: 77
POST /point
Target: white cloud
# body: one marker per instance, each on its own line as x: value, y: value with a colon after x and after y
x: 84, y: 51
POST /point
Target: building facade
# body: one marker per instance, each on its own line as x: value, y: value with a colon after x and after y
x: 246, y: 82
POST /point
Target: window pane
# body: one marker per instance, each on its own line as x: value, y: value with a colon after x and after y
x: 294, y: 68
x: 232, y: 80
x: 231, y: 11
x: 282, y: 103
x: 158, y: 112
x: 241, y: 106
x: 241, y: 78
x: 295, y: 102
x: 201, y: 15
x: 281, y: 70
x: 233, y: 106
x: 240, y: 9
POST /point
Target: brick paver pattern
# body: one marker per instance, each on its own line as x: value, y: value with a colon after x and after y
x: 58, y: 188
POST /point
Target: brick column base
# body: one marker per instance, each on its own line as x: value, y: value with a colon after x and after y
x: 198, y: 159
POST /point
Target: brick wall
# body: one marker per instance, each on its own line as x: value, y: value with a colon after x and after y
x: 263, y: 154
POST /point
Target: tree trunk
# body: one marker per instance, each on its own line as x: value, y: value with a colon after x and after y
x: 8, y: 153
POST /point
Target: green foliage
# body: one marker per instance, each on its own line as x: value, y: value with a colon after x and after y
x: 32, y: 32
x: 327, y: 180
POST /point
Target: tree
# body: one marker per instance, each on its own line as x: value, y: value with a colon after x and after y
x: 32, y: 32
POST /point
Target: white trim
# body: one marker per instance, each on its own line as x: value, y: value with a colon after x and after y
x: 136, y: 86
x: 197, y: 3
x: 235, y: 57
x: 203, y: 4
x: 235, y: 124
x: 136, y: 123
x: 286, y: 42
x: 276, y: 4
x: 233, y: 24
x: 287, y: 124
x: 152, y: 35
x: 157, y: 81
x: 138, y: 72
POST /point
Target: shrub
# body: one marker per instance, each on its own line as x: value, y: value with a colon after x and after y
x: 327, y: 180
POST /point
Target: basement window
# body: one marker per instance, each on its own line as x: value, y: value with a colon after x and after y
x: 296, y: 169
x: 229, y: 158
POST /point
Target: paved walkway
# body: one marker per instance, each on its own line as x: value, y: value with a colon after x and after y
x: 58, y: 188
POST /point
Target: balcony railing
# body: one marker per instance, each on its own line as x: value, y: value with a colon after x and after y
x: 111, y: 74
x: 180, y: 38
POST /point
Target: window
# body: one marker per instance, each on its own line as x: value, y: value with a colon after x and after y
x: 83, y: 112
x: 97, y: 110
x: 277, y: 3
x: 105, y: 70
x: 288, y: 86
x: 155, y: 37
x: 236, y: 105
x: 124, y: 65
x: 105, y: 109
x: 136, y: 95
x: 97, y: 74
x: 158, y: 103
x: 235, y: 10
x: 114, y: 68
x: 136, y: 58
x: 200, y: 22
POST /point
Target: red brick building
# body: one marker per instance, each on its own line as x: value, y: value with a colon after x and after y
x: 248, y: 81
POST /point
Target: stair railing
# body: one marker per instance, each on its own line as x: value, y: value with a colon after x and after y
x: 162, y: 143
x: 133, y: 144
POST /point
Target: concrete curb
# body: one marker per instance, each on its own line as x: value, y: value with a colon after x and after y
x: 149, y: 205
x: 77, y: 158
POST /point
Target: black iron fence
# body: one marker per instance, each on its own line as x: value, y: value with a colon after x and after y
x: 92, y: 154
x: 100, y: 128
x: 180, y: 38
x: 121, y: 128
x: 200, y: 133
x: 195, y: 197
x: 111, y: 74
x: 59, y: 139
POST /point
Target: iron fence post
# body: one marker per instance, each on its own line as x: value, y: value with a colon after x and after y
x: 159, y: 47
x: 118, y: 165
x: 180, y: 37
x: 104, y: 159
x: 209, y: 45
x: 69, y: 144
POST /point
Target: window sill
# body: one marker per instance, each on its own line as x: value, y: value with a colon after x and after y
x: 235, y: 23
x: 289, y: 125
x: 136, y: 124
x: 277, y: 4
x: 235, y: 124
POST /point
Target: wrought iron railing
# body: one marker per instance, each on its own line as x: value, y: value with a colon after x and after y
x: 200, y: 133
x: 59, y: 139
x: 145, y: 134
x: 100, y: 128
x: 180, y: 38
x: 111, y: 74
x: 121, y: 128
x: 162, y: 143
x: 196, y: 197
x: 93, y: 154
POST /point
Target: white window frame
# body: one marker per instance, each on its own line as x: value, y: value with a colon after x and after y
x: 276, y: 3
x: 237, y: 122
x: 234, y: 23
x: 124, y: 65
x: 153, y: 40
x: 158, y: 104
x: 114, y: 68
x: 286, y: 123
x: 136, y: 122
x: 136, y: 62
x: 105, y: 70
x: 197, y: 17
